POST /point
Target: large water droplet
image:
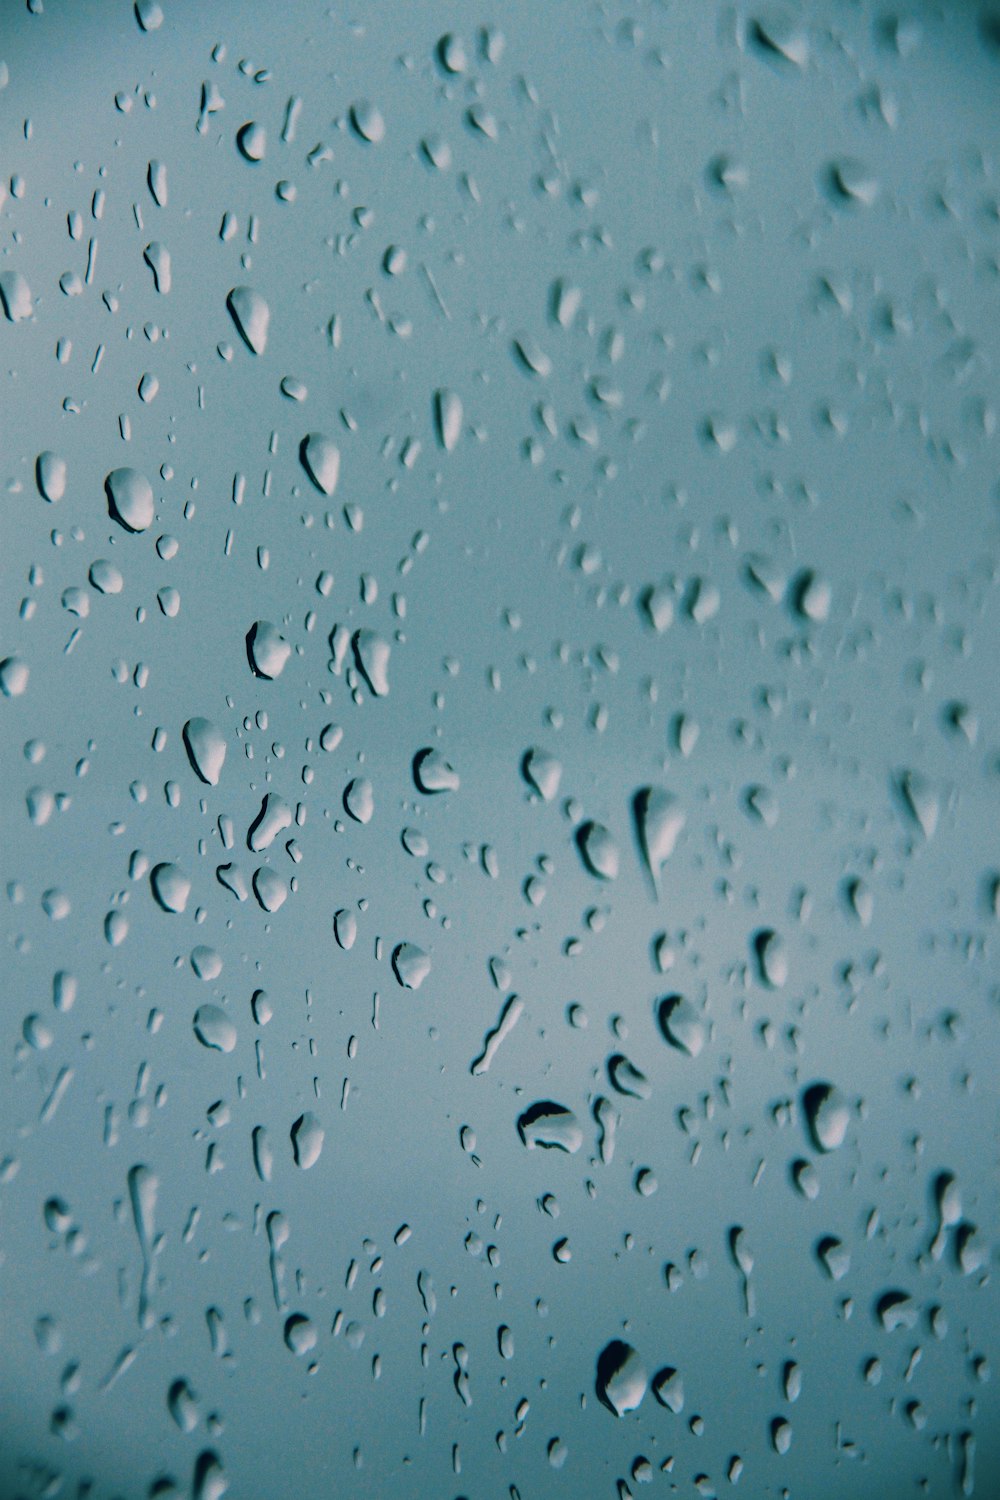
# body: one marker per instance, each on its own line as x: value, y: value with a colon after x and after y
x: 321, y: 460
x: 621, y: 1378
x: 252, y: 317
x: 130, y: 499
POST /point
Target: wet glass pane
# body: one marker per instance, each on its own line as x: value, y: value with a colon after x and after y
x: 500, y: 749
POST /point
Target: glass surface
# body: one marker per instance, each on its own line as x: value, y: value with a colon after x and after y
x: 500, y: 750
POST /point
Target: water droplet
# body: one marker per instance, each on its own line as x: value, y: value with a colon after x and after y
x: 411, y: 965
x: 681, y: 1024
x: 366, y: 118
x: 267, y: 649
x: 251, y: 315
x: 15, y: 296
x: 598, y: 850
x: 371, y: 654
x: 659, y: 822
x: 206, y: 963
x: 170, y: 886
x: 206, y: 749
x: 50, y: 476
x: 772, y: 958
x: 896, y: 1309
x: 149, y: 15
x: 307, y: 1140
x: 345, y: 929
x: 182, y: 1405
x: 448, y: 415
x: 130, y: 499
x: 251, y: 140
x: 551, y: 1126
x: 321, y: 460
x: 542, y: 772
x: 105, y: 577
x: 625, y: 1078
x: 214, y: 1029
x: 920, y: 800
x: 834, y: 1257
x: 14, y: 675
x: 432, y: 773
x: 300, y: 1334
x: 157, y: 258
x: 828, y: 1115
x: 274, y: 817
x: 668, y: 1388
x: 359, y: 799
x: 621, y: 1378
x: 269, y: 888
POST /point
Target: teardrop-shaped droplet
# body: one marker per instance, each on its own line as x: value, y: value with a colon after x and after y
x: 206, y: 749
x: 828, y: 1115
x: 214, y: 1029
x: 598, y: 850
x: 251, y: 315
x: 320, y: 458
x: 659, y: 822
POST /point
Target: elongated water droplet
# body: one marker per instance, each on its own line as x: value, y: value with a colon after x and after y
x: 50, y: 476
x: 448, y: 418
x: 171, y: 887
